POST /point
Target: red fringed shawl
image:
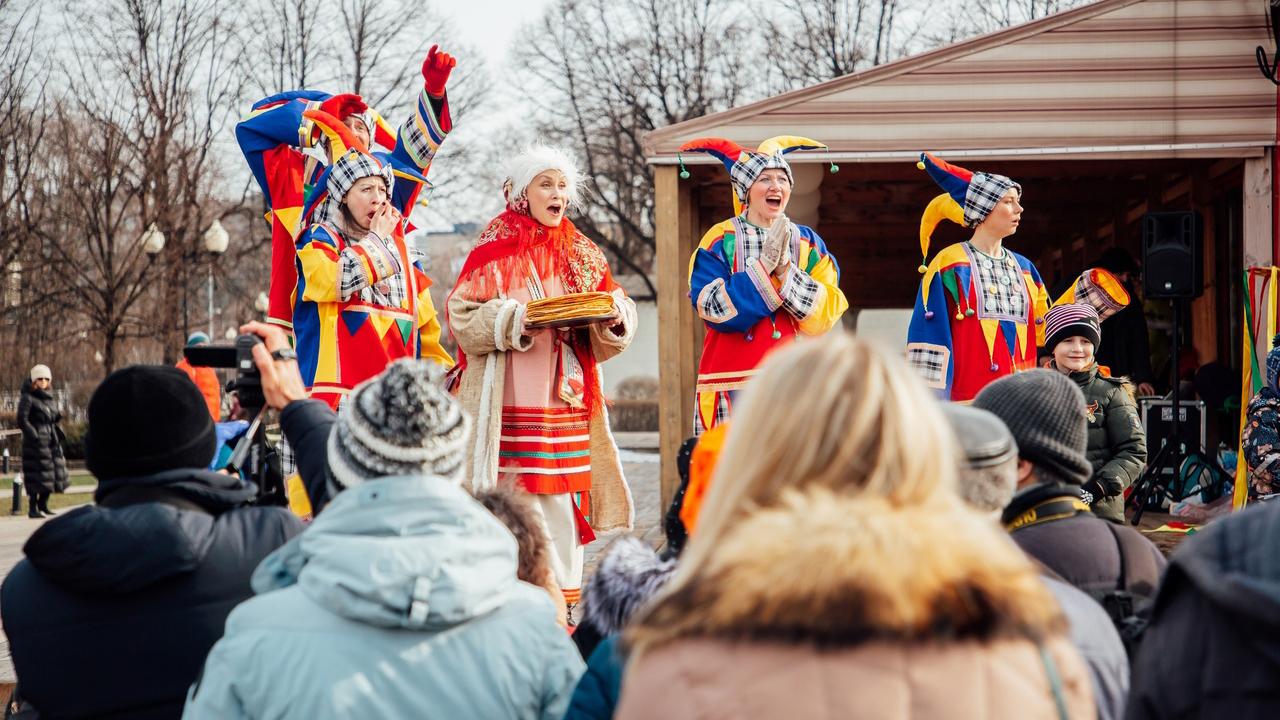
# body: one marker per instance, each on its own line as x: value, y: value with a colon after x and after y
x: 513, y: 244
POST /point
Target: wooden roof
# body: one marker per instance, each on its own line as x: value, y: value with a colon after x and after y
x: 1117, y: 78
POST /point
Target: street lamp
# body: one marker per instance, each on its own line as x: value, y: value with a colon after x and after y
x: 152, y: 241
x: 215, y: 243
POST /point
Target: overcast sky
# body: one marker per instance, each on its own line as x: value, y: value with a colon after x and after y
x: 491, y: 25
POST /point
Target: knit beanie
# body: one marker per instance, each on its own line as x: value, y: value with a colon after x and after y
x: 146, y: 419
x: 1045, y: 411
x: 197, y: 338
x: 401, y: 422
x: 1070, y: 320
x: 41, y: 372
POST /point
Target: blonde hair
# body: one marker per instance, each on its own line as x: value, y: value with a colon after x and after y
x: 836, y: 413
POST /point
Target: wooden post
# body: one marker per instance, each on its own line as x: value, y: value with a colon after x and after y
x: 1257, y: 211
x: 678, y: 338
x: 1257, y: 233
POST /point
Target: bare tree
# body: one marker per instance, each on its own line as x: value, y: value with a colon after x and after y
x: 163, y: 73
x: 22, y: 127
x: 606, y: 73
x: 978, y: 17
x: 291, y: 49
x: 101, y: 272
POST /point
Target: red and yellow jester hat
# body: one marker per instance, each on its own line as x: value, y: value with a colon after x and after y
x: 745, y: 165
x: 969, y: 198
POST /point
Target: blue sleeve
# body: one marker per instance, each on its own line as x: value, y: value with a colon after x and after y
x: 306, y: 425
x: 596, y: 695
x: 267, y: 127
x: 730, y: 301
x: 929, y: 343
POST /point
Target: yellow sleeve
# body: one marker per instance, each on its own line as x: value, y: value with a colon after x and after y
x: 320, y: 267
x: 429, y: 331
x: 830, y: 304
x: 1040, y: 301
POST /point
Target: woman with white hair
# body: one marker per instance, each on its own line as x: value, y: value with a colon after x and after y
x: 536, y: 392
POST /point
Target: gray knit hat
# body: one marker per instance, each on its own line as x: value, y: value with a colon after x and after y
x: 401, y: 422
x: 1045, y: 411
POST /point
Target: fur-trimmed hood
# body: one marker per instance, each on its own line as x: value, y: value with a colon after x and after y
x: 629, y: 574
x: 840, y: 571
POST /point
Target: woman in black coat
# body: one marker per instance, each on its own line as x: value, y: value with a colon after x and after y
x: 44, y: 467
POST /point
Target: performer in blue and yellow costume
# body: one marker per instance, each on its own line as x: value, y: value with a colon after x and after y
x: 355, y: 300
x: 758, y: 280
x: 979, y: 314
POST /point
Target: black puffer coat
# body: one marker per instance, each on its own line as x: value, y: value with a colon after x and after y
x: 1213, y: 647
x: 44, y: 469
x: 117, y: 604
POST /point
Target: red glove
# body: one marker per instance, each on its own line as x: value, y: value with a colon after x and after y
x: 436, y: 69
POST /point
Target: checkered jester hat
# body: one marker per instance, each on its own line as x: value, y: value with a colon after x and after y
x: 969, y: 198
x: 1098, y: 289
x: 745, y: 165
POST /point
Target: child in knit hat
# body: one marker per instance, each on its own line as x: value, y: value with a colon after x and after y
x: 1117, y: 449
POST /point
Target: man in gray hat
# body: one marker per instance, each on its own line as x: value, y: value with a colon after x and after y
x: 989, y: 476
x: 1047, y: 517
x: 988, y: 481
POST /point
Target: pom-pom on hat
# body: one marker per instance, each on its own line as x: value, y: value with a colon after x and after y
x: 1070, y: 320
x: 745, y: 165
x: 401, y: 422
x: 533, y: 162
x: 969, y: 198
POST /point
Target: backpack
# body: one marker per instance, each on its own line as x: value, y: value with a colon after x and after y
x: 1128, y: 602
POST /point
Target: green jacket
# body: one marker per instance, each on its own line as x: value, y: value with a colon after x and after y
x: 1117, y: 443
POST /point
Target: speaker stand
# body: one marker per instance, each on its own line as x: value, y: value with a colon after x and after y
x: 1171, y: 453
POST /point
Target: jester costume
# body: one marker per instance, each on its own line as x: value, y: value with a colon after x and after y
x: 353, y: 305
x: 750, y: 310
x: 537, y: 398
x: 977, y: 317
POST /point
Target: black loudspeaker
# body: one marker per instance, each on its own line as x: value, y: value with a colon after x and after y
x: 1171, y: 248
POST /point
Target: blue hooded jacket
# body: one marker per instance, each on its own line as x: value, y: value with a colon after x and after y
x: 399, y: 601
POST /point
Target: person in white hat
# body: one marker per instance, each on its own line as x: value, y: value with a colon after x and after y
x: 44, y: 467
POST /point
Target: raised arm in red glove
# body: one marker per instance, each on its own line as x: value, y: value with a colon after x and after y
x: 436, y: 69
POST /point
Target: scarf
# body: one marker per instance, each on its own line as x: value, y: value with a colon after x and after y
x: 510, y: 247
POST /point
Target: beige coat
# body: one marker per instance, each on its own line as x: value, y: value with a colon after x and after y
x: 851, y: 608
x: 484, y: 331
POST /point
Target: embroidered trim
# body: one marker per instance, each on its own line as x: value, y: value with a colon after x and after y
x: 714, y: 297
x: 764, y: 286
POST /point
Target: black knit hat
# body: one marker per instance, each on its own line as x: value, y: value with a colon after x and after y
x: 1045, y: 411
x: 145, y: 419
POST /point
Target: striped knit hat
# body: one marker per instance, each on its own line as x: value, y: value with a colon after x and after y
x: 1070, y: 320
x: 401, y: 422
